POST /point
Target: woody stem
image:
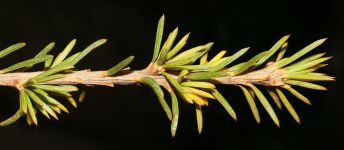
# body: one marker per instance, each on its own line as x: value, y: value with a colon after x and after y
x: 269, y: 76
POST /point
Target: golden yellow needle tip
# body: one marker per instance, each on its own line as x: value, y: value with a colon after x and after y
x: 277, y: 124
x: 104, y: 40
x: 75, y: 105
x: 258, y: 122
x: 235, y: 119
x: 324, y: 38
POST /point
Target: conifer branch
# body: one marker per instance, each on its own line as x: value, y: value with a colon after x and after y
x: 268, y: 76
x: 187, y: 74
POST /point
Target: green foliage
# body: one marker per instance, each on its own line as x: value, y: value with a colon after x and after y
x: 265, y: 104
x: 36, y: 95
x: 159, y: 93
x: 287, y: 104
x: 25, y: 63
x: 195, y: 81
x: 224, y: 103
x: 188, y: 74
x: 158, y: 38
x: 115, y: 69
x: 11, y: 49
x: 87, y: 50
x: 251, y: 103
x: 175, y: 113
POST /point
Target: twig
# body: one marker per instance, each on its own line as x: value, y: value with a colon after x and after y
x: 188, y: 75
x: 268, y: 76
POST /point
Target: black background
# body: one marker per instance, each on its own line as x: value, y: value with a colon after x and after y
x: 129, y: 117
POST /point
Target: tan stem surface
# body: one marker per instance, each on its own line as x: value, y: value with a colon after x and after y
x: 269, y: 76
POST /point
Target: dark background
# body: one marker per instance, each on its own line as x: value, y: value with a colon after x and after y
x: 129, y: 117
